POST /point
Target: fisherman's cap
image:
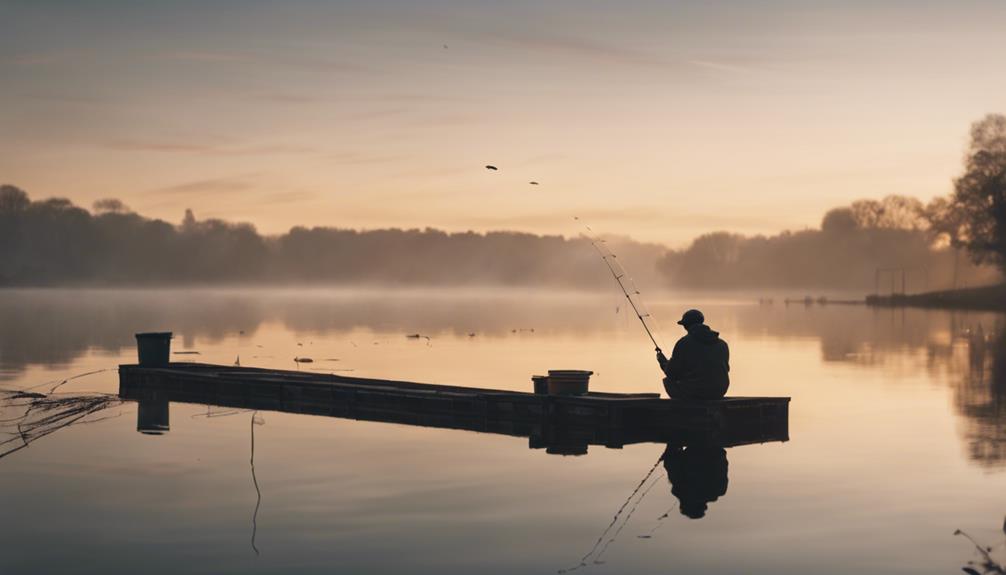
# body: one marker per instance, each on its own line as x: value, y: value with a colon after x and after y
x: 691, y: 317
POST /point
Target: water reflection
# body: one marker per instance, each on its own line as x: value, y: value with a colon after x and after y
x: 55, y: 327
x: 255, y: 420
x: 698, y: 476
x: 980, y: 393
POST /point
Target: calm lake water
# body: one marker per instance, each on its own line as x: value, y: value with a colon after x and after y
x: 896, y: 440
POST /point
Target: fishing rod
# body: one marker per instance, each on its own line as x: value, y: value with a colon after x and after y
x: 618, y: 272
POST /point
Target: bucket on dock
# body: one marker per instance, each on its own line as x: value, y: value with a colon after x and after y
x: 153, y: 348
x: 568, y: 381
x: 540, y: 384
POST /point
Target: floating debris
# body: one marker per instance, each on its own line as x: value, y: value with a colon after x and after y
x: 27, y: 395
x: 988, y: 564
x: 237, y: 360
x: 44, y: 414
x: 491, y: 167
x: 418, y: 336
x: 331, y: 359
x: 471, y: 334
x: 186, y: 353
x: 533, y: 183
x: 303, y: 360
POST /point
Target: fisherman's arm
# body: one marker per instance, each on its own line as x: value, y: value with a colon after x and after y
x: 671, y: 366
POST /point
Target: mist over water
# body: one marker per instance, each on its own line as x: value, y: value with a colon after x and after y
x: 895, y: 439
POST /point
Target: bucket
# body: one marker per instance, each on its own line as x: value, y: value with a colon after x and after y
x: 568, y: 381
x: 540, y: 384
x: 153, y: 348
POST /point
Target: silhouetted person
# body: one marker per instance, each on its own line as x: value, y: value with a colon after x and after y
x: 698, y: 476
x: 699, y: 367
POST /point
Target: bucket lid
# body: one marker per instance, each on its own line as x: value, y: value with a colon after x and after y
x: 166, y: 334
x: 569, y: 372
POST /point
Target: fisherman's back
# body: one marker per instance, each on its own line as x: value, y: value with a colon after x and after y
x: 699, y: 367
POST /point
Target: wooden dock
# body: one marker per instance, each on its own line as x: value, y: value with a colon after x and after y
x: 560, y: 424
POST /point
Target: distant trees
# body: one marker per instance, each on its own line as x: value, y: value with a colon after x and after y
x: 12, y: 200
x: 53, y: 242
x: 852, y: 243
x: 109, y: 206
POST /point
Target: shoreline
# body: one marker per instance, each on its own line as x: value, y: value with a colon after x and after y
x: 987, y: 298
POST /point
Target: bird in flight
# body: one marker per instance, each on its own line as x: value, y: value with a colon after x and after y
x: 491, y: 167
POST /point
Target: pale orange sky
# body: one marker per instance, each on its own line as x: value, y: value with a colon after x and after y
x: 661, y: 120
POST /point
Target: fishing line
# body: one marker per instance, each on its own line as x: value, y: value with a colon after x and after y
x: 221, y: 413
x: 659, y: 523
x: 614, y: 520
x: 624, y: 281
x: 597, y: 558
x: 255, y: 420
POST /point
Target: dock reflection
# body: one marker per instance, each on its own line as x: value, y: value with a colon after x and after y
x: 555, y: 437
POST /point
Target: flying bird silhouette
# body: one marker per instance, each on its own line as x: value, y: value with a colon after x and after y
x: 491, y: 167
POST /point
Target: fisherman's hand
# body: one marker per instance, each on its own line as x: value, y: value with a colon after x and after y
x: 661, y: 358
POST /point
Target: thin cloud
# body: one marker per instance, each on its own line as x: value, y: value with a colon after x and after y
x: 29, y: 60
x: 356, y: 158
x: 216, y: 186
x: 596, y: 50
x: 722, y: 66
x: 291, y: 197
x: 138, y: 146
x: 199, y: 56
x: 584, y: 47
x: 208, y: 149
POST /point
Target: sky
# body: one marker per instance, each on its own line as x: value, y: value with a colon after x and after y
x: 659, y: 120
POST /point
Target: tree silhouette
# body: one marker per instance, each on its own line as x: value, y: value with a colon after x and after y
x: 979, y: 198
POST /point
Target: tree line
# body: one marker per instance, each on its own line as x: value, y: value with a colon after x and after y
x: 950, y: 242
x: 54, y: 242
